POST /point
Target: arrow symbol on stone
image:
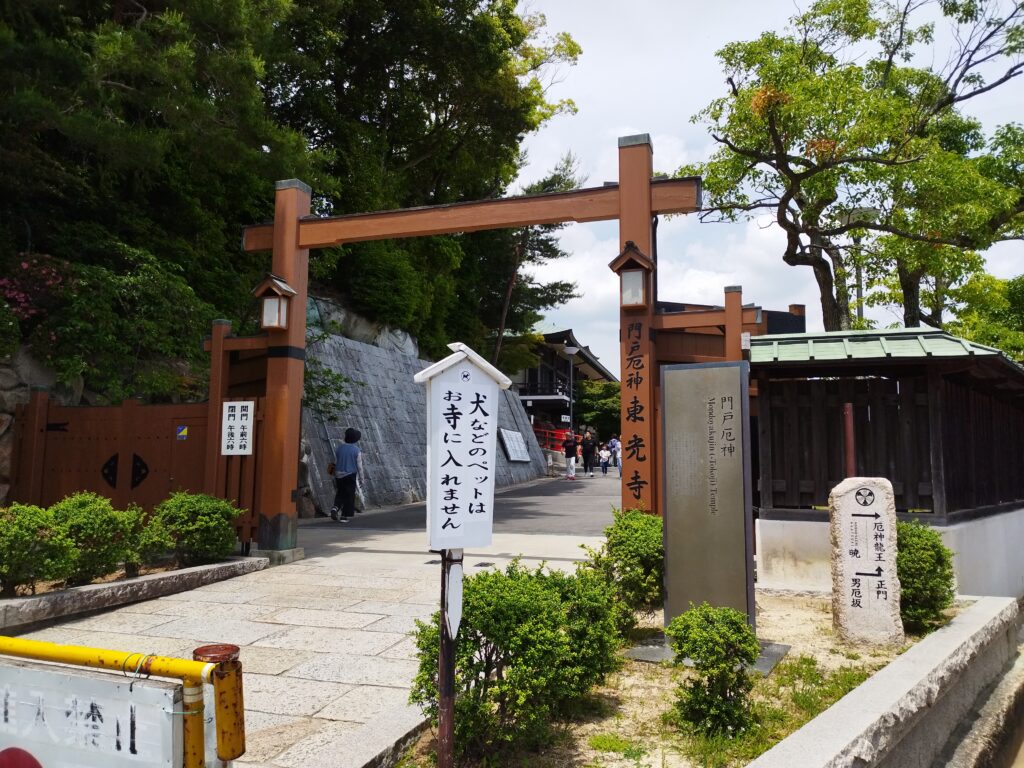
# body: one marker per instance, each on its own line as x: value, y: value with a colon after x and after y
x: 876, y: 515
x: 878, y: 572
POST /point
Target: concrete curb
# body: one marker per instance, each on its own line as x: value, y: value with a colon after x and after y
x: 903, y: 715
x: 19, y: 614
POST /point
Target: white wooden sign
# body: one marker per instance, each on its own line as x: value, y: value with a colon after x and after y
x: 236, y: 428
x: 82, y: 719
x: 462, y: 425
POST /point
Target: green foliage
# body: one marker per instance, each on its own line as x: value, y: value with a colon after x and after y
x: 32, y: 548
x: 127, y: 331
x: 200, y: 526
x: 10, y: 333
x: 993, y: 314
x: 530, y: 645
x: 98, y: 531
x: 924, y: 566
x: 324, y: 391
x: 796, y: 691
x: 597, y: 405
x: 632, y: 561
x: 866, y: 161
x: 146, y: 539
x: 610, y: 742
x: 720, y: 644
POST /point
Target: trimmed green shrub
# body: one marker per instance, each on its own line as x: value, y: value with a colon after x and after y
x: 201, y: 527
x: 530, y: 644
x: 720, y: 644
x: 632, y: 559
x: 98, y: 531
x: 32, y: 548
x: 924, y: 566
x: 147, y: 540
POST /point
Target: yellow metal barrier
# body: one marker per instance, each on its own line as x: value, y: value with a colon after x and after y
x: 216, y: 665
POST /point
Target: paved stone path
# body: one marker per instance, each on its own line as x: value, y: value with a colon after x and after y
x: 325, y: 641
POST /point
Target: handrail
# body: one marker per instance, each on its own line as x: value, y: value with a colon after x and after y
x: 220, y: 667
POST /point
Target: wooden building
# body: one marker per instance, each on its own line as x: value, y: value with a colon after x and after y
x: 941, y: 417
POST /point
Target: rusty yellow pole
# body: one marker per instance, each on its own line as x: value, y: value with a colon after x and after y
x: 225, y: 676
x: 229, y: 705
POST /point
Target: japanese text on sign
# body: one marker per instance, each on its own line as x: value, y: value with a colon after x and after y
x: 89, y: 719
x: 462, y: 441
x: 237, y: 428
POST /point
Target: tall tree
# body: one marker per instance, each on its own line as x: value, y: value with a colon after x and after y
x: 855, y: 152
x: 135, y: 141
x: 415, y: 103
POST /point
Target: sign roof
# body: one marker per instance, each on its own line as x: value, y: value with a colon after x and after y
x: 461, y: 352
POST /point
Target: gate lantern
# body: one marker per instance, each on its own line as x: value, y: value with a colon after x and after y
x: 274, y: 294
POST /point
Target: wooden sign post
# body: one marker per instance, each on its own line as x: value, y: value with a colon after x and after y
x: 462, y: 427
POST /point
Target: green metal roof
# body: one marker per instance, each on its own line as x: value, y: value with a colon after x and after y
x: 899, y: 344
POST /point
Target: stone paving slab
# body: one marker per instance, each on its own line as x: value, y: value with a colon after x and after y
x: 325, y: 642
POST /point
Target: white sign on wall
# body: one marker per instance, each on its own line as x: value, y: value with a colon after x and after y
x: 236, y: 428
x: 462, y: 425
x: 81, y: 719
x: 515, y: 445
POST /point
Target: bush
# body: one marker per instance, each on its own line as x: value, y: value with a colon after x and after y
x: 147, y: 540
x: 201, y: 528
x: 98, y: 531
x: 632, y: 559
x: 720, y: 644
x: 32, y: 548
x: 530, y: 644
x: 924, y: 566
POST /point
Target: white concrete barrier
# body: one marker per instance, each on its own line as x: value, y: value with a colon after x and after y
x: 902, y: 716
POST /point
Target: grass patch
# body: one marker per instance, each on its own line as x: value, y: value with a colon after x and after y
x: 796, y: 691
x: 610, y: 742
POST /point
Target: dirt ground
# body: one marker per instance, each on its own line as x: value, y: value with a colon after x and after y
x: 626, y: 727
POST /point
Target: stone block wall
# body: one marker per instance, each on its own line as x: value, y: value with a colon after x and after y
x: 390, y: 411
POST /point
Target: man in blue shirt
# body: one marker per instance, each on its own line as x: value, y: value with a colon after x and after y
x: 348, y: 461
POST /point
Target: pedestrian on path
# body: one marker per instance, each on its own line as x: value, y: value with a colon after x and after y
x: 616, y: 449
x: 605, y: 455
x: 588, y: 448
x: 570, y: 446
x: 348, y: 463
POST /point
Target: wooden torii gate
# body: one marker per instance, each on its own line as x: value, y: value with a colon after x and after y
x: 634, y: 201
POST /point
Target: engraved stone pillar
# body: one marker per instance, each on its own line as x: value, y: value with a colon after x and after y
x: 865, y: 588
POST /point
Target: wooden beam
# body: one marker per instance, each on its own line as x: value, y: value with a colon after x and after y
x: 238, y: 343
x: 704, y: 318
x: 592, y: 204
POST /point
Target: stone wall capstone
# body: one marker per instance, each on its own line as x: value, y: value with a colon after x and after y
x: 389, y: 408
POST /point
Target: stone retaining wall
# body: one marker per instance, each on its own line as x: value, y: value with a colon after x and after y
x: 902, y: 716
x: 389, y: 408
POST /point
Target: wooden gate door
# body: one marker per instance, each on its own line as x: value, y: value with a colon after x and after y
x: 131, y: 453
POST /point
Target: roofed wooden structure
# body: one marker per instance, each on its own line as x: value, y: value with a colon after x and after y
x: 940, y: 416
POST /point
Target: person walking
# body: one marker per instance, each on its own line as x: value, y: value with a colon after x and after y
x: 348, y: 462
x: 616, y: 450
x: 570, y: 446
x: 588, y: 448
x: 605, y: 455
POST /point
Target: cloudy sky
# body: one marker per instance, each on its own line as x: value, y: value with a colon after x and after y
x: 647, y: 67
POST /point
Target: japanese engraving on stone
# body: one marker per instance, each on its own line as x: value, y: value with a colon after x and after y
x: 865, y: 588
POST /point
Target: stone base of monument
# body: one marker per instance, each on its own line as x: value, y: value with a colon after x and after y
x: 655, y: 649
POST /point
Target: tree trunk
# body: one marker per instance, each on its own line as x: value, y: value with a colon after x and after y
x: 507, y: 303
x: 910, y: 285
x: 841, y: 286
x: 832, y: 314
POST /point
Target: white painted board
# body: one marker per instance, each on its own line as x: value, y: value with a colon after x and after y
x: 236, y: 428
x: 515, y: 445
x: 462, y: 420
x: 74, y: 718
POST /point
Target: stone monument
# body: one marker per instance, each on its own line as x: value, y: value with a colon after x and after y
x: 865, y: 587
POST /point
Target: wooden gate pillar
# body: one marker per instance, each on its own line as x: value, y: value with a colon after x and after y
x: 286, y: 355
x: 733, y: 322
x: 639, y: 368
